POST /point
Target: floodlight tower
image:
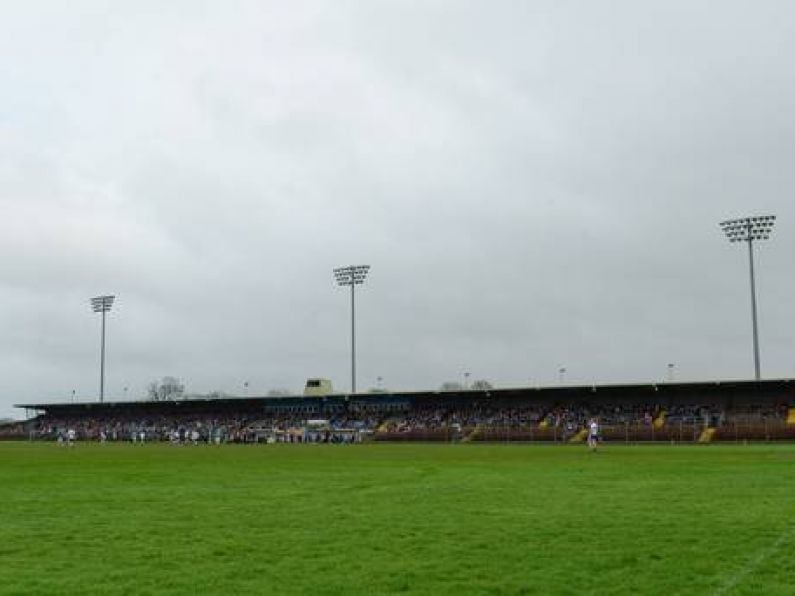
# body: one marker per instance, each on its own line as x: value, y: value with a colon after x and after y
x: 748, y: 229
x: 352, y: 275
x: 102, y: 304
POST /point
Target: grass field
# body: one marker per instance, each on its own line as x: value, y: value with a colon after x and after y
x: 431, y: 519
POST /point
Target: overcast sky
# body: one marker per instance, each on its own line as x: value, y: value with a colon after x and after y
x: 535, y: 185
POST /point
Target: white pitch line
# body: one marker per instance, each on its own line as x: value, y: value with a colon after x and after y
x: 746, y: 569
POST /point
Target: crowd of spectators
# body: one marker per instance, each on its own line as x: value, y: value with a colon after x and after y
x: 758, y: 413
x: 347, y: 422
x: 218, y: 427
x: 13, y: 430
x: 438, y: 415
x: 338, y: 423
x: 576, y: 416
x: 172, y: 428
x: 565, y: 417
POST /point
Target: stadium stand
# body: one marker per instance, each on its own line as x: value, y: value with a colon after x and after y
x: 670, y: 412
x: 14, y: 431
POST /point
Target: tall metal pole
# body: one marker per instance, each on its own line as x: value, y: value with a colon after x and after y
x: 351, y: 276
x: 748, y: 229
x: 353, y: 339
x: 753, y: 305
x: 102, y: 362
x: 102, y: 304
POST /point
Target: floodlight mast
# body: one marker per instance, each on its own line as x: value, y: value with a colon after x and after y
x: 102, y: 304
x: 748, y: 229
x: 352, y: 275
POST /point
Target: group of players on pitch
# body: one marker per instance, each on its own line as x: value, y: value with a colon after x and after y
x: 67, y: 438
x: 183, y: 437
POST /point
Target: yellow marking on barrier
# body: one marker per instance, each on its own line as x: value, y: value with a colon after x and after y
x: 791, y: 416
x: 384, y: 426
x: 474, y: 433
x: 579, y: 436
x: 706, y: 435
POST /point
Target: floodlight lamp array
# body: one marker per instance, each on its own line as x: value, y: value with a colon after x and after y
x: 102, y: 303
x: 748, y: 228
x: 351, y: 275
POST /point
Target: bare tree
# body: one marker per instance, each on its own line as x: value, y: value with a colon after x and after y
x: 167, y: 388
x: 451, y: 386
x: 482, y: 385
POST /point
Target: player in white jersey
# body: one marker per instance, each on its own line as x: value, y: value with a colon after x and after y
x: 70, y: 437
x: 593, y: 434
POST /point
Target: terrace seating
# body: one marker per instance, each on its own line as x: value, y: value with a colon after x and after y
x: 518, y: 434
x: 679, y: 433
x: 627, y: 433
x: 13, y: 431
x: 767, y: 431
x: 425, y: 434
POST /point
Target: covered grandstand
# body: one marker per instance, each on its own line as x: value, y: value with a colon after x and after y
x: 737, y: 410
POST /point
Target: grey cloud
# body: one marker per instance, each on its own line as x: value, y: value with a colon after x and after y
x: 534, y: 184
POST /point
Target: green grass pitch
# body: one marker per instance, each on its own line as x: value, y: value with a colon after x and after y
x: 377, y: 519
